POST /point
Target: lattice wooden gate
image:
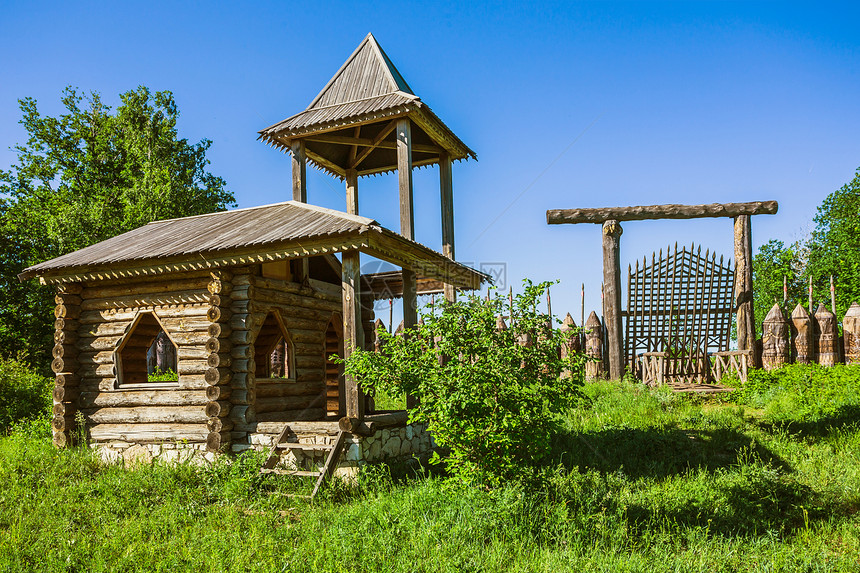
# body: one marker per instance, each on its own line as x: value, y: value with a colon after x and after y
x: 679, y: 309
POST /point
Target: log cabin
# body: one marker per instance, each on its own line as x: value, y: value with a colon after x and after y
x: 254, y: 302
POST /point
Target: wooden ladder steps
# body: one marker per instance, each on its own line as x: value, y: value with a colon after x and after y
x: 306, y: 447
x: 269, y: 466
x: 298, y: 473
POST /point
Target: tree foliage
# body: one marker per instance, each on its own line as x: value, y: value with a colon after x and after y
x: 833, y: 249
x: 82, y: 177
x: 483, y: 393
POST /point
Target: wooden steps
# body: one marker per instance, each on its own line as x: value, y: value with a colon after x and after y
x: 280, y: 443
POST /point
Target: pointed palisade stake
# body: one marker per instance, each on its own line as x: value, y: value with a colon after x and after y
x: 570, y: 342
x: 500, y: 323
x: 802, y: 341
x: 851, y: 334
x: 593, y: 347
x: 775, y: 340
x: 828, y: 337
x: 378, y: 326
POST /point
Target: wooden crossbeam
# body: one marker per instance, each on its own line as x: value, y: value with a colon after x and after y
x: 669, y: 211
x: 374, y: 143
x: 366, y: 142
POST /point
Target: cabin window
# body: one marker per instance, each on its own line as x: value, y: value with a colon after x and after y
x: 333, y: 370
x: 147, y: 354
x: 273, y: 350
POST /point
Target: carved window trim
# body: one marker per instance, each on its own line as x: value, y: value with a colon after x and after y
x: 119, y: 383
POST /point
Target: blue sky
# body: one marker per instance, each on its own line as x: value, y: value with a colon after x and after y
x: 566, y: 104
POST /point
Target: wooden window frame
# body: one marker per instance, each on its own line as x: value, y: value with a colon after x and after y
x: 290, y: 349
x: 129, y: 334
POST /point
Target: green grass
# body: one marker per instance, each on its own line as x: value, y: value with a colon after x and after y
x: 639, y: 480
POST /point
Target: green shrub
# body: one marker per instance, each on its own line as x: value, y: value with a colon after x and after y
x: 485, y: 396
x: 801, y: 393
x: 24, y: 394
x: 166, y: 376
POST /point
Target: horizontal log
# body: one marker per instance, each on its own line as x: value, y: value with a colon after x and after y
x: 218, y: 392
x: 219, y: 424
x: 192, y: 353
x: 297, y: 427
x: 292, y: 415
x: 134, y: 398
x: 194, y: 338
x: 671, y: 211
x: 214, y: 344
x: 310, y: 361
x: 89, y: 344
x: 69, y: 312
x: 266, y: 388
x: 107, y: 357
x: 67, y: 324
x: 59, y: 365
x: 243, y: 414
x: 111, y: 289
x: 65, y: 337
x: 99, y: 316
x: 217, y: 314
x: 167, y: 297
x: 243, y: 380
x: 67, y: 299
x: 64, y: 350
x: 172, y: 324
x: 218, y: 300
x: 63, y: 423
x: 218, y: 409
x: 219, y: 286
x: 217, y: 441
x: 104, y: 329
x: 305, y: 301
x: 149, y: 432
x: 92, y: 370
x: 216, y: 376
x: 245, y: 321
x: 62, y: 439
x: 216, y: 360
x: 64, y: 393
x: 60, y: 408
x: 196, y: 381
x: 219, y: 330
x: 243, y: 292
x: 248, y: 365
x: 148, y: 415
x: 244, y: 351
x: 192, y: 367
x: 287, y: 403
x: 246, y: 397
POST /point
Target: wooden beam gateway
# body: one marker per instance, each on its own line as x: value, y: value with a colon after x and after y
x: 610, y: 217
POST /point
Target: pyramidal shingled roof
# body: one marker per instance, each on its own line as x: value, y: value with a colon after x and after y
x: 367, y: 73
x: 366, y: 90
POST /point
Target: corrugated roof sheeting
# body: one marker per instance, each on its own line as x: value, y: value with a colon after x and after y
x: 269, y: 224
x: 339, y: 112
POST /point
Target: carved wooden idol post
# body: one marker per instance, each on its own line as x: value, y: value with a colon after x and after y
x: 803, y: 341
x: 612, y: 296
x: 828, y: 337
x: 851, y: 334
x: 593, y: 347
x: 775, y: 336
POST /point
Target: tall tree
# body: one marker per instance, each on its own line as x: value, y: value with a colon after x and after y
x: 773, y: 264
x: 85, y: 176
x: 834, y: 248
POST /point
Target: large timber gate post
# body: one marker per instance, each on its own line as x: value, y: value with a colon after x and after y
x: 610, y: 218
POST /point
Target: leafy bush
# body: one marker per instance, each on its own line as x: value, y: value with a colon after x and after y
x: 485, y: 394
x: 166, y: 376
x: 24, y: 394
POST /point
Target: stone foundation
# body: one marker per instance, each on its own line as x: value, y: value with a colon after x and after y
x: 393, y: 444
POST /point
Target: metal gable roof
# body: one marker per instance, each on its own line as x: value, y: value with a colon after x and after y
x: 223, y: 231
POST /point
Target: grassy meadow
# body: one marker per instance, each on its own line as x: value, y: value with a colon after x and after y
x: 764, y: 479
